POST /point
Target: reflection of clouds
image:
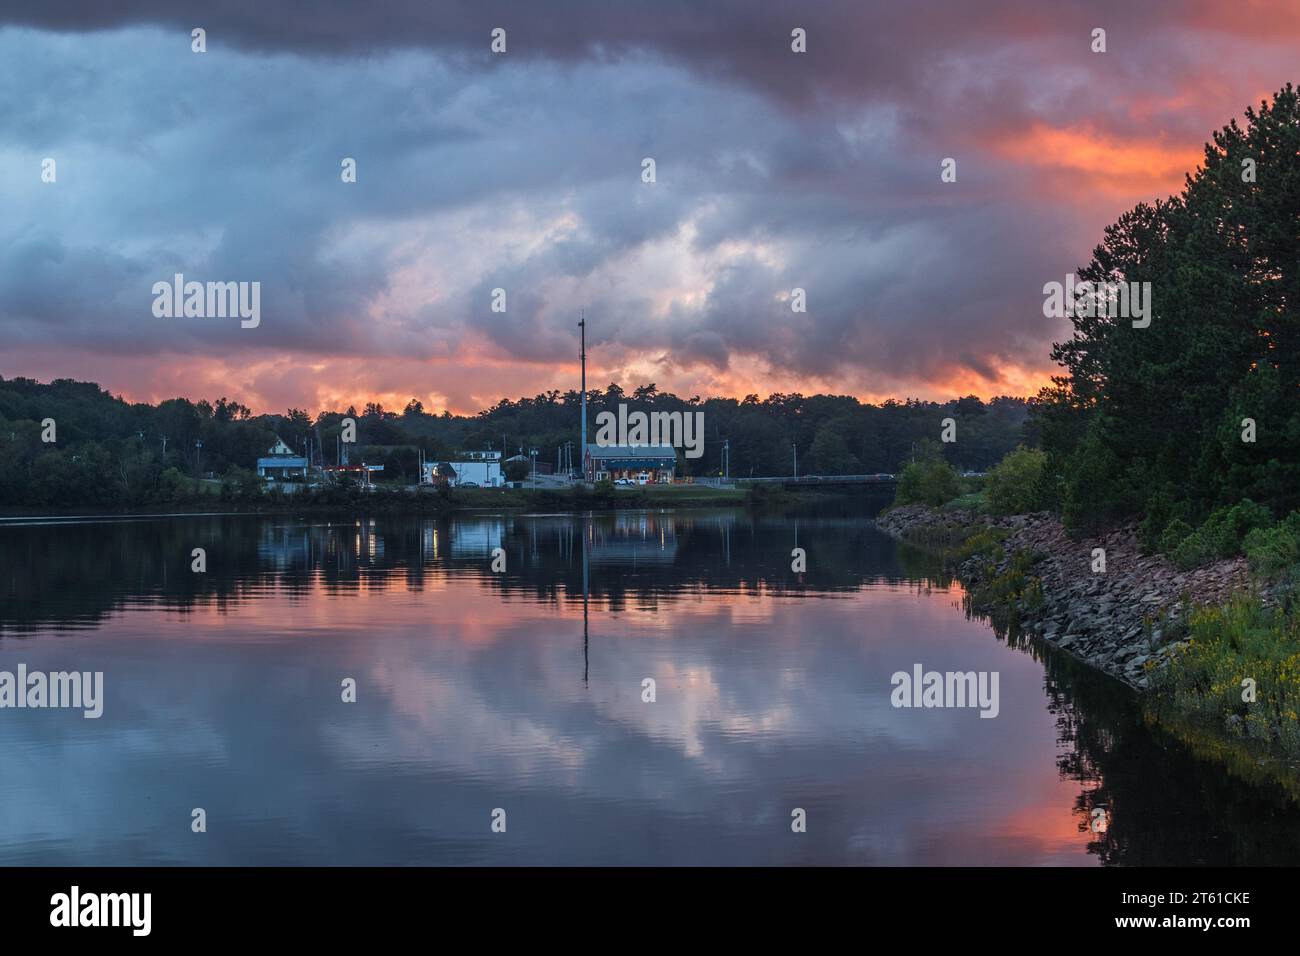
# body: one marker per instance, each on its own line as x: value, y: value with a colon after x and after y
x: 470, y: 699
x: 432, y: 717
x: 66, y: 780
x: 803, y: 696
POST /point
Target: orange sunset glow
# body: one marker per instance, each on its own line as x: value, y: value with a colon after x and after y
x: 453, y: 269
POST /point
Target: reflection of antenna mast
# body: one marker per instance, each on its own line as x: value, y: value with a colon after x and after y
x: 582, y: 355
x: 585, y: 590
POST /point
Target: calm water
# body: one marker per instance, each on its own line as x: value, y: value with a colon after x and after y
x: 522, y: 690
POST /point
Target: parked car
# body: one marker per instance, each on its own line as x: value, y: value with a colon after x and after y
x: 469, y: 484
x: 623, y: 481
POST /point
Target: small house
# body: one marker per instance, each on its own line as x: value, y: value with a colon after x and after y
x: 281, y: 464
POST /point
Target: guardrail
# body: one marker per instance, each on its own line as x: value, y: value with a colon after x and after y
x: 880, y: 479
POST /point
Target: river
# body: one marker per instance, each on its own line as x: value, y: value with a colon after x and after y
x: 503, y: 716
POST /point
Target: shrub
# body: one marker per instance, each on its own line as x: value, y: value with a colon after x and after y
x: 1161, y: 509
x: 174, y: 486
x: 1229, y: 528
x: 240, y: 483
x: 1229, y: 644
x: 1015, y: 483
x: 986, y: 543
x: 1175, y: 533
x: 1221, y: 535
x: 1192, y: 552
x: 1095, y: 493
x: 971, y: 501
x: 1274, y: 551
x: 931, y: 482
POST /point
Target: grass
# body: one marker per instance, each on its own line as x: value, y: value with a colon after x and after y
x: 1230, y: 649
x: 1231, y: 692
x: 971, y: 501
x: 1004, y: 594
x: 581, y: 499
x: 984, y: 542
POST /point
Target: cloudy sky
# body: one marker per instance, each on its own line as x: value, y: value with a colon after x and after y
x: 522, y: 171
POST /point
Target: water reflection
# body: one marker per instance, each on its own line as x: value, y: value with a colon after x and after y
x: 522, y: 689
x: 74, y: 576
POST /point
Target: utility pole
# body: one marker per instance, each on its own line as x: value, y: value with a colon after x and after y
x: 726, y: 459
x: 795, y: 448
x: 582, y: 355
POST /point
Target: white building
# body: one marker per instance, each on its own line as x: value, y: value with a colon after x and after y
x: 480, y: 468
x: 281, y: 464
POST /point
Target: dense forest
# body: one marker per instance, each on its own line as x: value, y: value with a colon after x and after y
x: 1200, y: 409
x: 112, y: 453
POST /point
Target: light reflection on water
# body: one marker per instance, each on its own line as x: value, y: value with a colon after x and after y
x: 523, y: 690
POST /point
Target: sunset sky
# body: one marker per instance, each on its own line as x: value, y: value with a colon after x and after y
x: 522, y: 171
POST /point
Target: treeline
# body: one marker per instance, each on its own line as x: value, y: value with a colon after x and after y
x: 830, y: 434
x: 1188, y: 425
x: 1182, y: 419
x: 111, y: 453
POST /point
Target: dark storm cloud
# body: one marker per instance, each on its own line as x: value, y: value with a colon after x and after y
x: 861, y: 48
x: 775, y: 171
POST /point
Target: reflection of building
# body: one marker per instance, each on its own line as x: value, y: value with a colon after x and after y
x: 281, y: 464
x: 475, y: 468
x: 634, y: 539
x: 335, y: 545
x: 476, y: 538
x: 284, y: 546
x: 640, y: 464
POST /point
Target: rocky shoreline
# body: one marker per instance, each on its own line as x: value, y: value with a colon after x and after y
x: 1116, y: 620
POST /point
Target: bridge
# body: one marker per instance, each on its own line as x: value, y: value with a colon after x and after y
x: 821, y: 481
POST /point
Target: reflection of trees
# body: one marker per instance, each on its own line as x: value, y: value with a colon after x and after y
x: 1165, y: 806
x: 72, y: 575
x: 642, y: 559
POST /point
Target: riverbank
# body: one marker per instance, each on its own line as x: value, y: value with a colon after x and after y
x: 342, y: 500
x: 1213, y: 652
x: 1027, y: 575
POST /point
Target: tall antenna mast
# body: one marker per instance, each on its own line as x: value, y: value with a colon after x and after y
x: 582, y: 354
